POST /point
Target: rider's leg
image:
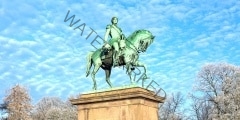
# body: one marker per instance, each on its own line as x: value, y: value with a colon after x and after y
x: 115, y: 54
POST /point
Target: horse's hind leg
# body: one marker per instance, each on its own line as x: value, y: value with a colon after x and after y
x: 129, y: 71
x: 89, y: 63
x: 108, y: 73
x: 96, y: 68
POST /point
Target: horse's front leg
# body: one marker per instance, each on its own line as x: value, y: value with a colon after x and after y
x: 144, y: 74
x: 140, y: 64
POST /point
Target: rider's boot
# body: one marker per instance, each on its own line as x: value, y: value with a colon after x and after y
x: 115, y: 59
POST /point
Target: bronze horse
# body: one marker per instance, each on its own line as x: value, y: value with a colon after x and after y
x: 137, y: 42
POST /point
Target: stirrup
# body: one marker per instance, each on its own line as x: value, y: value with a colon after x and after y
x: 115, y: 64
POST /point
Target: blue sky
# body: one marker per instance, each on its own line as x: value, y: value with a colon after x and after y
x: 42, y: 52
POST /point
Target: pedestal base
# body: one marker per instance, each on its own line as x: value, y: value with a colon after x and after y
x: 122, y: 104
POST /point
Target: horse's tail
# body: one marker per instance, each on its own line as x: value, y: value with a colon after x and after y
x: 89, y: 63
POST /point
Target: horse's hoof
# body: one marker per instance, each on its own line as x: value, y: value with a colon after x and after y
x: 94, y: 88
x: 87, y: 73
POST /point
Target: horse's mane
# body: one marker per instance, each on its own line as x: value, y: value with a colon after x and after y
x: 134, y: 36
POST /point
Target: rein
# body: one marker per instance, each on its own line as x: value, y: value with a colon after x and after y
x: 132, y: 45
x: 135, y: 48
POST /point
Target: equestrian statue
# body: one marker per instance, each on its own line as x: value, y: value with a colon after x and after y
x: 118, y: 51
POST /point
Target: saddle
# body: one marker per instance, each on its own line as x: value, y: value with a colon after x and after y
x: 107, y: 57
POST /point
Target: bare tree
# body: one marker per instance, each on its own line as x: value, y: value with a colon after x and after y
x: 3, y: 109
x: 218, y: 85
x: 53, y: 108
x: 3, y: 106
x: 172, y: 108
x: 201, y: 109
x: 18, y: 103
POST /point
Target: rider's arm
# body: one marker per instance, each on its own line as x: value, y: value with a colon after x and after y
x: 107, y: 33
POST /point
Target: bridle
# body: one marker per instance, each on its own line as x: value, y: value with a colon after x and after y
x: 135, y: 48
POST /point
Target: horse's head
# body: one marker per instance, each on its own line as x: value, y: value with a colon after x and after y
x: 141, y: 39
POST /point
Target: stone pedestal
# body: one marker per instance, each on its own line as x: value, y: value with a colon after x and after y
x: 121, y: 104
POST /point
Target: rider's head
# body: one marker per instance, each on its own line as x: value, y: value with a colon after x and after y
x: 114, y: 20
